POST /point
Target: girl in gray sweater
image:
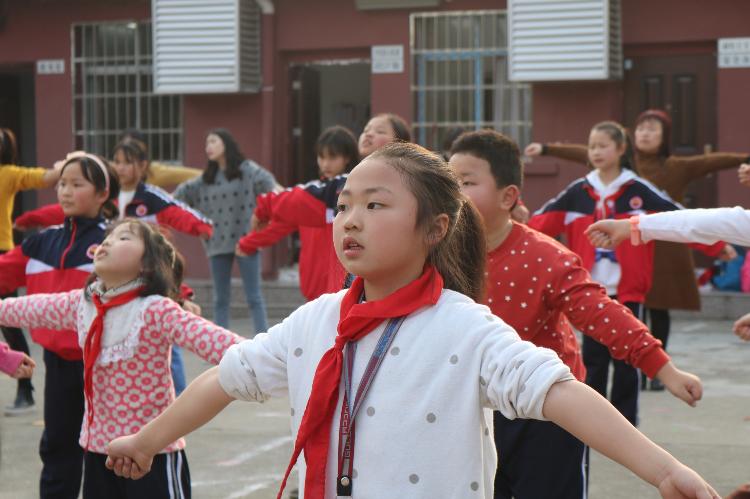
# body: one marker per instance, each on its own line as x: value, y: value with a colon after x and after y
x: 226, y: 194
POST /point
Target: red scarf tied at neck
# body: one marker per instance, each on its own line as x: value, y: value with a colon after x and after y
x: 93, y: 346
x: 356, y: 320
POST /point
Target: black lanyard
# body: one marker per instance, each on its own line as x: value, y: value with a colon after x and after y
x: 349, y: 411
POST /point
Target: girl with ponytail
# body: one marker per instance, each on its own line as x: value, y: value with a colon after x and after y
x: 425, y: 359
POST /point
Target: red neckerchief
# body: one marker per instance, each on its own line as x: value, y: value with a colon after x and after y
x: 93, y: 346
x: 356, y: 320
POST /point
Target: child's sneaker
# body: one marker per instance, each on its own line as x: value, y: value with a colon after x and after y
x: 24, y: 403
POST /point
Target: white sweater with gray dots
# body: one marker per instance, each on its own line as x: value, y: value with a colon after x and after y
x: 425, y: 427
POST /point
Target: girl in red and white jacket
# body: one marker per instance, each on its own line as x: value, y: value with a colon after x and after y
x: 137, y: 199
x: 126, y: 322
x: 611, y: 190
x: 319, y: 270
x: 54, y: 260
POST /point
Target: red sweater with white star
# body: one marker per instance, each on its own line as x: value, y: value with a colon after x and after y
x: 540, y: 288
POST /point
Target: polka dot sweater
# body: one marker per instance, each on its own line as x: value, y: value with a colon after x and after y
x: 425, y: 427
x: 539, y: 287
x: 132, y: 378
x: 229, y: 204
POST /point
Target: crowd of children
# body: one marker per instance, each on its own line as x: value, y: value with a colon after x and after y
x: 409, y: 258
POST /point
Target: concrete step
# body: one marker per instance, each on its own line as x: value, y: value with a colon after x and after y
x: 282, y: 297
x: 718, y: 305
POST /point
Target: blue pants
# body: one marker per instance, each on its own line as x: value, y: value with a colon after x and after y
x: 221, y: 271
x: 178, y: 370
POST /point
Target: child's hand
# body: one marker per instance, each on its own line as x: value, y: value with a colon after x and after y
x: 743, y: 173
x: 680, y: 482
x: 683, y: 385
x: 608, y: 234
x: 25, y: 368
x: 257, y: 225
x: 728, y: 253
x: 192, y: 307
x: 126, y: 459
x: 533, y: 149
x: 238, y: 251
x: 742, y: 327
x: 520, y: 214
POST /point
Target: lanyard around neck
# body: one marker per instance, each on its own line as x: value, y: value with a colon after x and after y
x: 350, y: 409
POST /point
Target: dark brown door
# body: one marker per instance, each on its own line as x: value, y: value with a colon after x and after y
x: 304, y: 123
x: 684, y: 86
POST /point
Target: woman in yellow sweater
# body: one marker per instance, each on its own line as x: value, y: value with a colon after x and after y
x: 14, y: 178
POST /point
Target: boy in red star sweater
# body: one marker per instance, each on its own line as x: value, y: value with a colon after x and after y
x: 540, y: 288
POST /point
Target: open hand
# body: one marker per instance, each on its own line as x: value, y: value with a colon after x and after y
x: 742, y: 327
x: 126, y: 459
x: 681, y: 482
x: 533, y: 149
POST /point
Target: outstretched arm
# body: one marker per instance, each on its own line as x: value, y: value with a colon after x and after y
x: 699, y: 225
x: 584, y: 413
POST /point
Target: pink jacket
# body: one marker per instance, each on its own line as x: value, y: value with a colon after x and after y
x: 9, y: 359
x: 132, y: 378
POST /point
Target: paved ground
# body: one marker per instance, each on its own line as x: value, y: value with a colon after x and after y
x: 244, y: 451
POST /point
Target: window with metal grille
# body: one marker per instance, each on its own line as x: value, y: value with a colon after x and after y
x: 460, y: 77
x: 113, y: 91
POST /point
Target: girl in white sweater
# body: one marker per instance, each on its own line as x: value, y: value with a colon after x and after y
x: 405, y: 358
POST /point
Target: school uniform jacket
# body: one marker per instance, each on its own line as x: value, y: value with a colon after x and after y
x: 57, y: 259
x: 303, y: 208
x: 149, y: 203
x: 581, y: 204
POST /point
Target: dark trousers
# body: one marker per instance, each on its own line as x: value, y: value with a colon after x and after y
x: 169, y: 478
x: 625, y: 380
x: 660, y: 325
x: 538, y: 459
x: 62, y: 456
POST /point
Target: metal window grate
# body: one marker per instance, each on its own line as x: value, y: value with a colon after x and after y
x: 113, y: 90
x: 460, y: 77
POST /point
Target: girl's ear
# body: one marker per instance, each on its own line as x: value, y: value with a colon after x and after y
x: 439, y: 229
x: 102, y: 196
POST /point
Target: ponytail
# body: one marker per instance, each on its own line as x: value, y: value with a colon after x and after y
x: 460, y: 256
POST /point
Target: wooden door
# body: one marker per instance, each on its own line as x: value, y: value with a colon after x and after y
x: 685, y: 87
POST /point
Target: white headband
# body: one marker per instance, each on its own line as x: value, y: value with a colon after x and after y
x: 95, y: 159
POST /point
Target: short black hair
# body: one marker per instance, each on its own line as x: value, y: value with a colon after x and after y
x: 500, y: 151
x: 338, y: 140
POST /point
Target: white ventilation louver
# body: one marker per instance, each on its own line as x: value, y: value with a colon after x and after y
x: 563, y: 40
x: 206, y: 46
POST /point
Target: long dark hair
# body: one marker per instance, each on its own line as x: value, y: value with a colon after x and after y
x: 232, y: 155
x: 92, y: 172
x: 338, y: 140
x: 399, y: 125
x: 162, y: 264
x: 460, y: 256
x: 134, y: 151
x: 619, y: 136
x: 8, y: 147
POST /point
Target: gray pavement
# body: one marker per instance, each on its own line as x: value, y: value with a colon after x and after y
x: 243, y: 452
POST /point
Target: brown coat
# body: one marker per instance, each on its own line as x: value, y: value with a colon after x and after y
x: 674, y: 285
